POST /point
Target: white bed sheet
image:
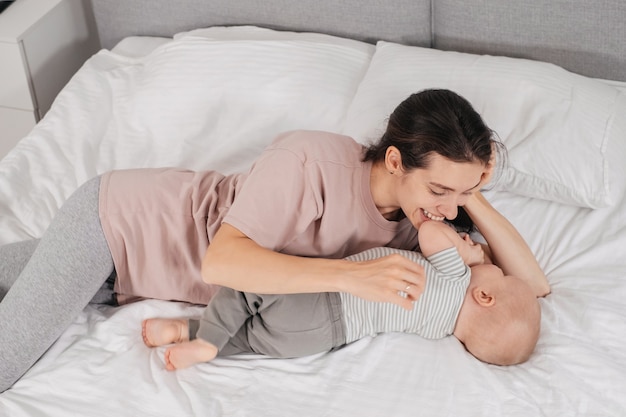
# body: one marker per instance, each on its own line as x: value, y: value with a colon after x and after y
x: 100, y: 367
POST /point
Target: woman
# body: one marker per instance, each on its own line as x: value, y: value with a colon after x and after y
x: 434, y: 156
x: 310, y: 199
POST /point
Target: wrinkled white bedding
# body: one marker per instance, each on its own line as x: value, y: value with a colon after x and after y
x: 105, y: 119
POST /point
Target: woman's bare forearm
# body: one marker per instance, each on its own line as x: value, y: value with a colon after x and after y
x: 235, y: 261
x: 508, y: 249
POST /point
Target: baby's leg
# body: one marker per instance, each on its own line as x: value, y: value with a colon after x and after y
x: 189, y: 353
x: 159, y: 332
x: 222, y: 318
x: 291, y: 325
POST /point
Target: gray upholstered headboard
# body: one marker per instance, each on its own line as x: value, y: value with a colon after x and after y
x: 586, y: 37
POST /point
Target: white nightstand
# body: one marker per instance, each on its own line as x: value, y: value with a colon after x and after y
x: 42, y: 44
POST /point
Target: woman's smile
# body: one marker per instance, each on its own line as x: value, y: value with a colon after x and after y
x: 432, y: 216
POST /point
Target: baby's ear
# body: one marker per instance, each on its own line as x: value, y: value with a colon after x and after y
x: 483, y: 298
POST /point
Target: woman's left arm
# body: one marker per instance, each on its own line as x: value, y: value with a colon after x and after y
x: 507, y: 247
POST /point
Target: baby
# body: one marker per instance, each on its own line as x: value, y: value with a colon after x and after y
x: 496, y: 317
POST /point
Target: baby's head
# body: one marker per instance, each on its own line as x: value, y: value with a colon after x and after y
x: 500, y: 317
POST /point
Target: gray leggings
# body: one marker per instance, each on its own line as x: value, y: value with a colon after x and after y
x: 46, y: 283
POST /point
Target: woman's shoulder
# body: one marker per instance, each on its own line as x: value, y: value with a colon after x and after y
x: 317, y: 145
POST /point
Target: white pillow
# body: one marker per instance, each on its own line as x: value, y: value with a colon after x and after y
x: 138, y: 46
x: 555, y: 124
x: 246, y: 33
x: 202, y: 103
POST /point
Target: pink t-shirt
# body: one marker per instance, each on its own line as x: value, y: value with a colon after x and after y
x: 308, y: 194
x: 158, y: 224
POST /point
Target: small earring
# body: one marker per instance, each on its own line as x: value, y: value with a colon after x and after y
x: 392, y: 172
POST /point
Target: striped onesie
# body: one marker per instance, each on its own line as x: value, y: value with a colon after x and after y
x: 433, y: 315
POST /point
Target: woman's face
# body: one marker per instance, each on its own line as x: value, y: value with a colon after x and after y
x: 436, y: 192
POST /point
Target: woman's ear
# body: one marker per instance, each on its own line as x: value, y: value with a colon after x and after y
x: 393, y: 160
x: 483, y: 297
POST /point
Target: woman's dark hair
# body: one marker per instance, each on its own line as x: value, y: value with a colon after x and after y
x: 441, y: 122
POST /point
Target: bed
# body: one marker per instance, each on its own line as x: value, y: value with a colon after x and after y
x: 207, y: 84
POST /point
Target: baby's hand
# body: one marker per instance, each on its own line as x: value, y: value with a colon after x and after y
x: 475, y: 254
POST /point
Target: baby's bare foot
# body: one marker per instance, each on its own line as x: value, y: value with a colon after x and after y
x: 159, y: 332
x: 190, y: 353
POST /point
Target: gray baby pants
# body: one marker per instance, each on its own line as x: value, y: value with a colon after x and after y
x: 46, y: 283
x: 280, y: 326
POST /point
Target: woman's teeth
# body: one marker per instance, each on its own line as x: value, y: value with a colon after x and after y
x: 432, y: 216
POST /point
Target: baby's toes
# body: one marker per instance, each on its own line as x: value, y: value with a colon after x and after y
x: 145, y: 334
x: 168, y: 361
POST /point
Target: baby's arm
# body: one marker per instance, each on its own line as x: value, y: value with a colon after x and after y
x: 436, y: 236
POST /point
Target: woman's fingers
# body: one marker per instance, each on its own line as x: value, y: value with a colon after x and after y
x: 394, y: 279
x: 413, y: 292
x: 406, y: 297
x: 404, y: 302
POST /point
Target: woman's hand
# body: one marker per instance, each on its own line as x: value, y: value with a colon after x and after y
x: 392, y: 279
